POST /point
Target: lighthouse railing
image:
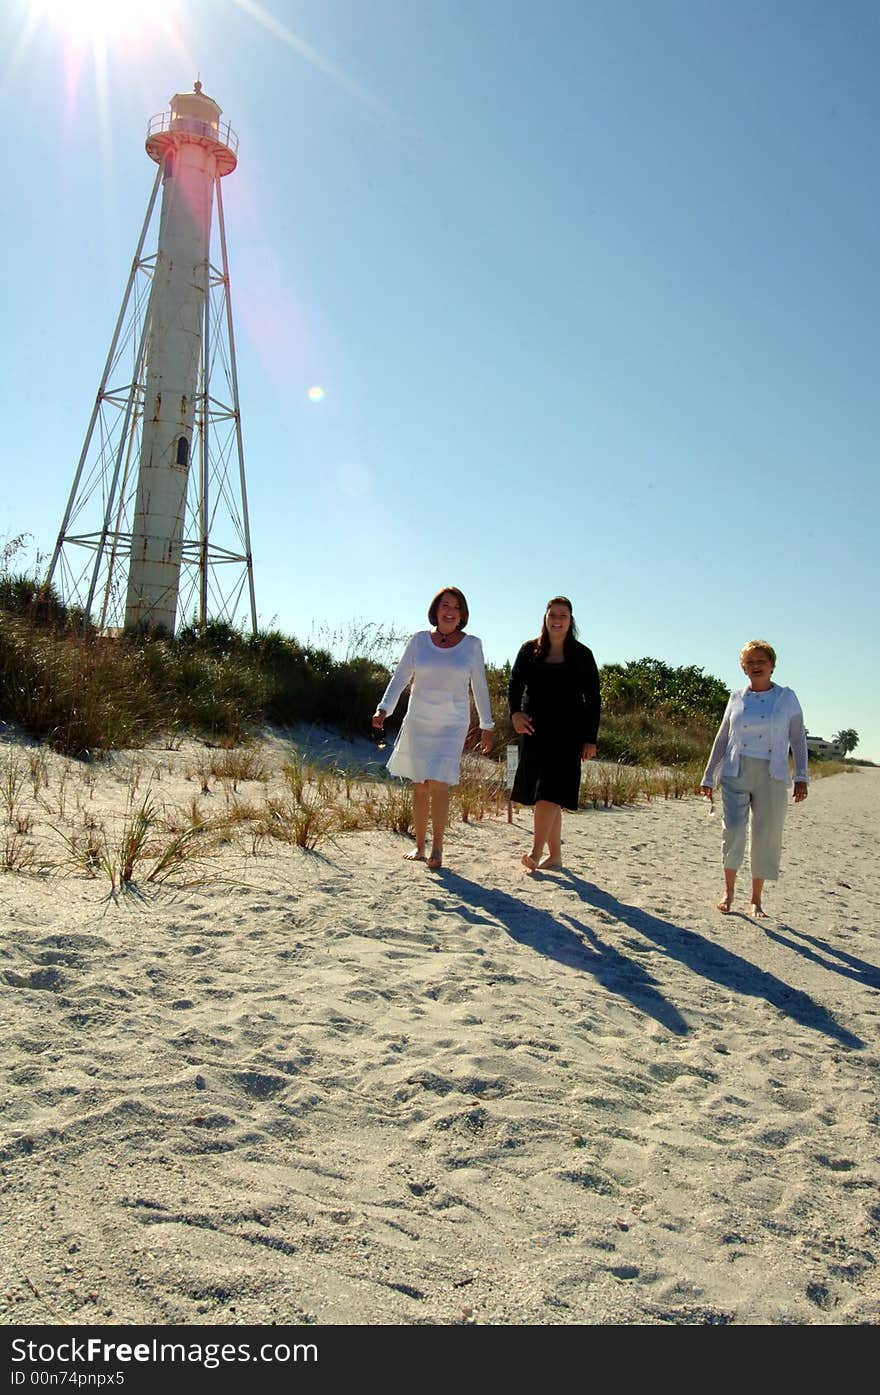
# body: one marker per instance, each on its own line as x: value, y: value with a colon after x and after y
x: 189, y: 126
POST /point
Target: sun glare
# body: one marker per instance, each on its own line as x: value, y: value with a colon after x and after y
x: 98, y: 21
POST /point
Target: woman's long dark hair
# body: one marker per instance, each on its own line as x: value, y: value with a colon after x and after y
x: 542, y: 643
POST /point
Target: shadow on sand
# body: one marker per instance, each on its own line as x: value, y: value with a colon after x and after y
x: 574, y: 944
x: 859, y: 970
x: 717, y: 964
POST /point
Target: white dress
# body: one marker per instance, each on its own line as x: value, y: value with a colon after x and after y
x: 431, y: 738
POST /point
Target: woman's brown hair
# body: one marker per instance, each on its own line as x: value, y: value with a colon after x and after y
x: 462, y: 605
x: 542, y: 643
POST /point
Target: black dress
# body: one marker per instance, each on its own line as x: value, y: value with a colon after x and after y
x: 563, y: 703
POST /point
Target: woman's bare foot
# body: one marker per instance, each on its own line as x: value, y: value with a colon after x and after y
x: 729, y: 888
x: 758, y: 911
x: 417, y: 855
x: 529, y: 862
x: 436, y: 858
x: 547, y: 863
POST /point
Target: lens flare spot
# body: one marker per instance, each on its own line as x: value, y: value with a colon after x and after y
x: 316, y: 394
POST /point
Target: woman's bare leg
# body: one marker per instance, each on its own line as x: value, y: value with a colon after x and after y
x: 757, y: 909
x: 554, y: 843
x: 546, y: 815
x: 439, y: 816
x: 421, y: 800
x: 729, y: 883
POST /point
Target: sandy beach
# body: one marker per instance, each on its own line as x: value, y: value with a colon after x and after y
x: 336, y: 1087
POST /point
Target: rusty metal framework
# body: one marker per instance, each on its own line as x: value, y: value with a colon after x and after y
x: 89, y: 566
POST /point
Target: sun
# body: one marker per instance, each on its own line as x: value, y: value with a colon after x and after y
x: 97, y: 41
x: 90, y: 22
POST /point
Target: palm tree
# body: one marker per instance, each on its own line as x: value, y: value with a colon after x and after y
x: 847, y: 740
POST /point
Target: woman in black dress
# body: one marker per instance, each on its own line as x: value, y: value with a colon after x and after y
x: 554, y: 706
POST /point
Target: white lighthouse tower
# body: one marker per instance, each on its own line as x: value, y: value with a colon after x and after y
x: 163, y: 451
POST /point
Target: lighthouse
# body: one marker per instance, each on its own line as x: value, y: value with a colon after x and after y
x: 163, y: 451
x: 188, y: 147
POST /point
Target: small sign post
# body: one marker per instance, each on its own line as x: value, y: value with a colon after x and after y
x: 512, y: 763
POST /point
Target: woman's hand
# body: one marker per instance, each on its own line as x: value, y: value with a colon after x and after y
x: 800, y: 790
x: 379, y: 719
x: 522, y: 724
x: 589, y: 751
x: 487, y: 741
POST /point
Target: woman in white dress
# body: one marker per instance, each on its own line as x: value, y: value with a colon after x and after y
x: 443, y: 664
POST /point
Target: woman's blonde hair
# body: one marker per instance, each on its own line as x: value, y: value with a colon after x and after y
x: 754, y: 644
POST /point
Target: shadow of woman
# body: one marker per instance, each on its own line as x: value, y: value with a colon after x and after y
x: 576, y: 945
x: 859, y: 970
x: 716, y: 963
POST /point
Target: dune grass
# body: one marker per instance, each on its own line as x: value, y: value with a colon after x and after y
x: 144, y: 841
x: 819, y: 769
x: 83, y: 694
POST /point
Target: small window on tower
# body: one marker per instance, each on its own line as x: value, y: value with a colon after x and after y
x: 169, y: 166
x: 183, y: 451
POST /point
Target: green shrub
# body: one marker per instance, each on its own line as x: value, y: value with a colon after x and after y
x: 650, y: 684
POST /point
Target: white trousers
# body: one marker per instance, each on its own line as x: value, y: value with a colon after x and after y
x: 753, y: 789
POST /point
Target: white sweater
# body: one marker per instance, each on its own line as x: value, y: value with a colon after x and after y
x: 786, y: 732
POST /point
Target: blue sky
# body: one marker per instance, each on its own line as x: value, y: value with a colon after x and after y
x: 591, y: 289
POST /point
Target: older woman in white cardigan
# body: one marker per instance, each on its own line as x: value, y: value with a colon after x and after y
x: 761, y: 724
